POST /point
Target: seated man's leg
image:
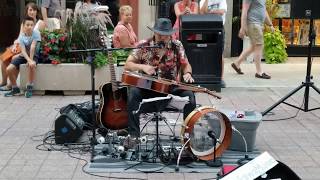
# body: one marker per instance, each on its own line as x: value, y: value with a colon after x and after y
x: 188, y: 108
x: 4, y: 75
x: 134, y: 98
x: 31, y: 78
x: 12, y: 71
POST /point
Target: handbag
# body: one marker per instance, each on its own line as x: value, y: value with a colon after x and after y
x: 8, y: 54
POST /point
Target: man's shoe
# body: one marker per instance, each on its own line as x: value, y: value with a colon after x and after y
x: 15, y: 91
x: 263, y: 76
x: 238, y: 70
x: 130, y: 142
x: 28, y: 93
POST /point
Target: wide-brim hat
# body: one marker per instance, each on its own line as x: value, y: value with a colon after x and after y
x: 163, y: 26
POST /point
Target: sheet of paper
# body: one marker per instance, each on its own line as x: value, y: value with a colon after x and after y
x: 253, y: 169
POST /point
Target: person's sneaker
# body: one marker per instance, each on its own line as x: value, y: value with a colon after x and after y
x: 15, y: 91
x: 130, y: 142
x: 263, y: 76
x: 28, y: 93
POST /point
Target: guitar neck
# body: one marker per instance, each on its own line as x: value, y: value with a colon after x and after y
x: 197, y: 89
x: 111, y: 63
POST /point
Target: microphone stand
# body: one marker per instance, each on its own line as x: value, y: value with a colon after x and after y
x: 215, y: 162
x: 93, y: 142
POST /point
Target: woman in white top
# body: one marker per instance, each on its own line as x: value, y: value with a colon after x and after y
x: 32, y: 11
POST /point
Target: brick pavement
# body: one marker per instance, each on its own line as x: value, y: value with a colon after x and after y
x: 296, y: 142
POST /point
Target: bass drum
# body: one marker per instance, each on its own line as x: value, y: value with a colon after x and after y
x: 196, y: 127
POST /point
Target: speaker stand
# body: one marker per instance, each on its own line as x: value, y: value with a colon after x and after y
x: 307, y: 84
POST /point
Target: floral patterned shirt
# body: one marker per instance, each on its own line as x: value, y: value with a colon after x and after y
x: 168, y: 62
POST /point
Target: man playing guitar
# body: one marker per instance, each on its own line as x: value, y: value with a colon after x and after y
x: 169, y: 61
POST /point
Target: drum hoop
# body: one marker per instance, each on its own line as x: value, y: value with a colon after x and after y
x: 225, y: 134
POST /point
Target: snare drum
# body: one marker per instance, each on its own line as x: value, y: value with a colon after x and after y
x: 196, y: 127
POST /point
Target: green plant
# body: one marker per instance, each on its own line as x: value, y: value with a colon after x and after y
x: 119, y: 57
x: 85, y: 27
x: 275, y: 47
x: 274, y: 42
x: 100, y: 60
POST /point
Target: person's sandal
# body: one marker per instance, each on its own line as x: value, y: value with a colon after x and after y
x: 263, y: 76
x: 238, y: 70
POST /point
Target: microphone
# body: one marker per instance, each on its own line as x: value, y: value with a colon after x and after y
x: 212, y: 134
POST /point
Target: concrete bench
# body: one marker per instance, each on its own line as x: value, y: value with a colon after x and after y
x: 72, y: 79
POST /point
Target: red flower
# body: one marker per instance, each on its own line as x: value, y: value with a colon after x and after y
x: 63, y: 38
x: 46, y: 49
x: 52, y: 40
x: 55, y: 62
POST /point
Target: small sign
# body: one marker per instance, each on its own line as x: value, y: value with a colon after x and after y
x: 284, y: 11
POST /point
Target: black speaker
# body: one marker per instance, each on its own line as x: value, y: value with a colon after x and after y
x: 202, y: 38
x: 300, y: 8
x: 69, y: 125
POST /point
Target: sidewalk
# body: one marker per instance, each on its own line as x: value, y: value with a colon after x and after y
x: 296, y: 141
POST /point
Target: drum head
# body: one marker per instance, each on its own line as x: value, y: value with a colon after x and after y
x: 197, y: 125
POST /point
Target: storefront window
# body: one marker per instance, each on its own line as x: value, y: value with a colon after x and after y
x: 317, y: 31
x: 287, y: 30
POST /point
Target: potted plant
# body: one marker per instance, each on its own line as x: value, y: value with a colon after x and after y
x: 274, y: 42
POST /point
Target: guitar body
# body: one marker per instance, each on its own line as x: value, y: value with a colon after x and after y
x: 113, y: 112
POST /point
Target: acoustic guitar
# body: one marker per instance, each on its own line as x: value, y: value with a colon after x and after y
x: 112, y: 112
x: 8, y: 54
x: 160, y: 85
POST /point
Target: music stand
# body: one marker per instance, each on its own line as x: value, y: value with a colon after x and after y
x: 307, y: 84
x: 159, y: 104
x: 154, y: 105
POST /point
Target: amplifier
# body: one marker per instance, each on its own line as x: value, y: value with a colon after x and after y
x: 69, y: 125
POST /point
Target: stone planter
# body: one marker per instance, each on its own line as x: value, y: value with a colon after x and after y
x: 72, y: 79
